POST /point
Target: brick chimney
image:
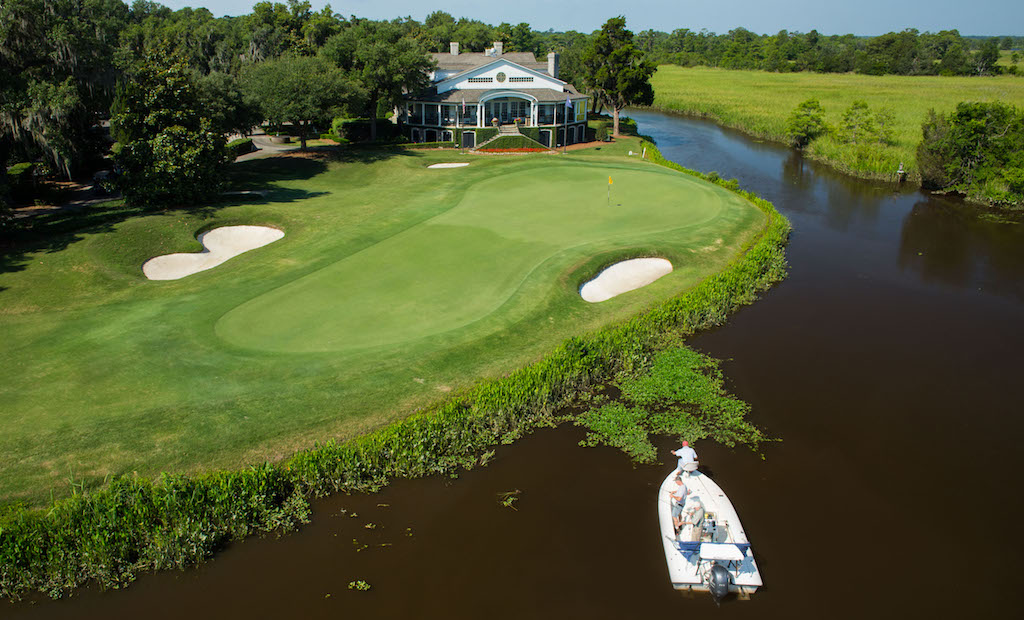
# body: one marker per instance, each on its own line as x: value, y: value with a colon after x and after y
x: 553, y: 64
x: 498, y: 48
x: 454, y: 45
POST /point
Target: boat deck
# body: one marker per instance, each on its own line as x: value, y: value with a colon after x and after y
x: 690, y: 553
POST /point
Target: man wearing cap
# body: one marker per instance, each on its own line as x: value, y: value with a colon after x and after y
x: 687, y: 459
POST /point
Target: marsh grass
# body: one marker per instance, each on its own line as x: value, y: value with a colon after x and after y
x: 759, y: 103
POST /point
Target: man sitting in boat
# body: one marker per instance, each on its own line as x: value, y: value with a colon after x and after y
x: 678, y: 498
x: 687, y: 459
x: 693, y: 518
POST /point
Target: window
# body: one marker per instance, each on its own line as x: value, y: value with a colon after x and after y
x: 480, y: 79
x: 521, y: 79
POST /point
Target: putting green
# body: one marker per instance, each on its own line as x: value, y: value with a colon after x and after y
x: 468, y: 262
x: 394, y: 285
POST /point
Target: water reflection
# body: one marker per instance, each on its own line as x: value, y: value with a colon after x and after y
x: 946, y: 241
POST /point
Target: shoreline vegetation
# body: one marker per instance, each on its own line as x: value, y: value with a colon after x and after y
x: 107, y: 536
x: 725, y: 96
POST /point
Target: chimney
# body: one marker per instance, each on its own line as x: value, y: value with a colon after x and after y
x: 454, y: 45
x: 553, y: 64
x: 497, y: 48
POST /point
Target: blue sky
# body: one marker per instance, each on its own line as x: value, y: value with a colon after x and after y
x: 863, y: 17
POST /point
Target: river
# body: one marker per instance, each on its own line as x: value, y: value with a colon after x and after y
x: 888, y: 365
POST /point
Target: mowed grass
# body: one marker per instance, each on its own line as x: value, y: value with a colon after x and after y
x: 760, y: 103
x: 393, y: 286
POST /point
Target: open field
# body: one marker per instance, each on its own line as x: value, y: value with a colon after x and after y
x: 394, y: 285
x: 760, y: 103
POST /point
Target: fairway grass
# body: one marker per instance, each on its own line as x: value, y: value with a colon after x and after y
x: 393, y: 286
x: 760, y: 103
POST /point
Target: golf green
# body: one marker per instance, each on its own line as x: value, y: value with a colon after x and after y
x: 393, y: 286
x: 468, y: 262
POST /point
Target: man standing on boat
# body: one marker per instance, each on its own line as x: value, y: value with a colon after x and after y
x: 678, y: 501
x: 687, y: 459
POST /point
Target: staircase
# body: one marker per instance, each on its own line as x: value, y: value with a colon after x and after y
x: 503, y: 130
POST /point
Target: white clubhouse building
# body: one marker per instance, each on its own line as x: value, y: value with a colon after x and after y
x: 511, y: 91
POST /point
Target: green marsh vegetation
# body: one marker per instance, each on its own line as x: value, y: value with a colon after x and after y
x: 762, y: 103
x: 135, y: 523
x: 682, y: 394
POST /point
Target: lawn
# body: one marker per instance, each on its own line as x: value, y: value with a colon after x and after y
x: 393, y: 286
x: 759, y: 103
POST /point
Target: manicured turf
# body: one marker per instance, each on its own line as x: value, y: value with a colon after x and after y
x: 393, y: 285
x: 760, y: 103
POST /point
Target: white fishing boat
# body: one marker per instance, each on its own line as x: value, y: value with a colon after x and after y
x: 710, y: 551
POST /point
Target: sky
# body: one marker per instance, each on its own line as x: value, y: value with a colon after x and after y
x: 863, y: 17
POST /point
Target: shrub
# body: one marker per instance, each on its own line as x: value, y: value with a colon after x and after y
x: 506, y: 143
x: 806, y: 123
x: 431, y: 145
x: 857, y: 123
x: 238, y: 147
x: 977, y: 150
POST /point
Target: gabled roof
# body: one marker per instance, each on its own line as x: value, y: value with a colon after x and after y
x: 543, y: 95
x: 470, y: 60
x: 495, y: 61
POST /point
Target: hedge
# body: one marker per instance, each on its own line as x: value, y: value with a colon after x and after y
x: 136, y: 524
x: 431, y: 145
x: 506, y: 143
x: 239, y: 147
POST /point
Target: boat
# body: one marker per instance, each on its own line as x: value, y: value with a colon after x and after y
x: 710, y: 552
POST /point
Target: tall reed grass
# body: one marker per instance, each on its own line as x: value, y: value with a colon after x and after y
x: 134, y: 524
x: 759, y: 103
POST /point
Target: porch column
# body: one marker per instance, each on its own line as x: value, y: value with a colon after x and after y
x: 533, y: 114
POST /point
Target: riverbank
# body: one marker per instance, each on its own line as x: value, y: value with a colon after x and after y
x: 759, y: 104
x: 135, y: 523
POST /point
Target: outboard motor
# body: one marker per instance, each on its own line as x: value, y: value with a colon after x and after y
x: 718, y: 581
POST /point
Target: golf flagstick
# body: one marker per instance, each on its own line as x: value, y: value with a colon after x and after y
x: 609, y: 190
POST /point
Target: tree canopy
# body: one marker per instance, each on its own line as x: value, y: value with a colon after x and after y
x: 302, y: 90
x: 383, y: 61
x: 170, y: 154
x: 615, y: 72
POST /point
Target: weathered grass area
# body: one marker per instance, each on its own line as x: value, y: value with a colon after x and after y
x: 759, y: 103
x: 136, y: 524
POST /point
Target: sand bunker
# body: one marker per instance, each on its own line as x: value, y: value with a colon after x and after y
x: 220, y: 244
x: 452, y: 165
x: 624, y: 277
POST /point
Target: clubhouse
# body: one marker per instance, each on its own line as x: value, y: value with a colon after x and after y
x: 512, y: 92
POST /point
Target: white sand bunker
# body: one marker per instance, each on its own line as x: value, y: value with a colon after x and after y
x: 624, y: 277
x: 449, y: 165
x: 219, y: 245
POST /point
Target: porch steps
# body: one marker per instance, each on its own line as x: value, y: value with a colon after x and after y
x: 505, y: 130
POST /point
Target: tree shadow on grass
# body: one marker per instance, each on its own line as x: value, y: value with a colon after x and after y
x: 54, y: 231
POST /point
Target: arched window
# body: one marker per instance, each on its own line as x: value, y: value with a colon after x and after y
x: 446, y: 136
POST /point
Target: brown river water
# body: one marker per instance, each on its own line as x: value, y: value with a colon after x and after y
x: 888, y: 364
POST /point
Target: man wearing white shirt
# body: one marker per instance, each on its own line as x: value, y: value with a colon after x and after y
x: 687, y: 459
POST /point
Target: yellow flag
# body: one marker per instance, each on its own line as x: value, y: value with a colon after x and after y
x: 609, y: 180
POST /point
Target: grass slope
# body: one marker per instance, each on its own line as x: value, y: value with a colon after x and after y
x: 306, y: 339
x: 760, y: 103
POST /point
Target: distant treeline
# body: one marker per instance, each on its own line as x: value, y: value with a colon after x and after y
x: 63, y: 60
x: 896, y: 53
